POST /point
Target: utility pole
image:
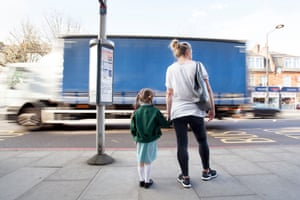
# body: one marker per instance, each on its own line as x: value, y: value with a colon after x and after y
x: 101, y: 158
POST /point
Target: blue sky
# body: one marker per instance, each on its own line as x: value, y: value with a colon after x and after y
x: 222, y: 19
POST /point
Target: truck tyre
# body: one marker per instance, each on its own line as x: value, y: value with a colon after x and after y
x: 219, y: 116
x: 30, y: 116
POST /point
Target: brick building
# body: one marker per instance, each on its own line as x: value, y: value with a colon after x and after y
x: 281, y: 79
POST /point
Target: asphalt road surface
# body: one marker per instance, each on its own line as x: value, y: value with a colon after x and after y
x: 229, y: 132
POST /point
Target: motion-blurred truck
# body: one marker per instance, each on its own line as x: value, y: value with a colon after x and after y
x: 56, y: 89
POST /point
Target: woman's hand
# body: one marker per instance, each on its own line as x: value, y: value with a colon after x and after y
x: 211, y: 114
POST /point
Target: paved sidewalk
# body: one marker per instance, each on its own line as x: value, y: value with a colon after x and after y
x: 245, y: 173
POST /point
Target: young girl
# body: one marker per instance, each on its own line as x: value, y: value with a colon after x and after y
x: 145, y: 128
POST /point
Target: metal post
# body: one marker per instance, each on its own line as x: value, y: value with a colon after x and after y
x: 279, y: 26
x: 102, y: 20
x: 267, y: 68
x: 101, y: 158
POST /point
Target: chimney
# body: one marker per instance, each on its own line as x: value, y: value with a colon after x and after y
x: 256, y: 49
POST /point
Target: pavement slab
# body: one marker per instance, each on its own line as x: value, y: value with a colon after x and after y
x: 244, y: 173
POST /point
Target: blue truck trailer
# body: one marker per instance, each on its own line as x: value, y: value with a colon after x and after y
x: 139, y: 61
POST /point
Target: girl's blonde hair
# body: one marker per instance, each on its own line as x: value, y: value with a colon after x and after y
x: 179, y: 48
x: 145, y: 95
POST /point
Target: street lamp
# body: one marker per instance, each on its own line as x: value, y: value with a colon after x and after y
x: 279, y: 26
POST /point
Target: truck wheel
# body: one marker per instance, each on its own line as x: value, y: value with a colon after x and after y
x: 30, y: 118
x: 219, y: 116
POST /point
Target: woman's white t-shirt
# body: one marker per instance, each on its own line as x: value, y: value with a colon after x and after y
x: 181, y: 78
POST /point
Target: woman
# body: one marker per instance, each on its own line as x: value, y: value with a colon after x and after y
x: 182, y: 110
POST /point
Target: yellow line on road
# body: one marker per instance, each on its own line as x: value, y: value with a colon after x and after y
x: 238, y: 137
x: 5, y: 134
x: 291, y: 132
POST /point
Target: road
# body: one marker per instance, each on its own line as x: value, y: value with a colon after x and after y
x: 229, y: 132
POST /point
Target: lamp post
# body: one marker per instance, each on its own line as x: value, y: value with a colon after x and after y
x: 279, y: 26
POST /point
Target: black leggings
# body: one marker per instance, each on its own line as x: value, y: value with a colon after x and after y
x: 198, y: 127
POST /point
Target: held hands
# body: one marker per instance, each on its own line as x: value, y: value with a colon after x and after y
x: 211, y: 114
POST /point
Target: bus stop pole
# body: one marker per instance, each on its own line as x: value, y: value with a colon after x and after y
x: 101, y: 158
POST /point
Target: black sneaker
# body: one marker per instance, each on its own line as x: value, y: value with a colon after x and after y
x: 206, y: 176
x: 142, y: 183
x: 147, y: 185
x: 185, y: 182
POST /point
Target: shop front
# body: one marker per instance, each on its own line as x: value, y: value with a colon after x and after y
x: 259, y: 94
x: 289, y: 98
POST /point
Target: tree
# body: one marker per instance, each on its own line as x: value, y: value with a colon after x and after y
x: 2, y: 55
x: 58, y: 24
x: 25, y: 45
x: 28, y: 44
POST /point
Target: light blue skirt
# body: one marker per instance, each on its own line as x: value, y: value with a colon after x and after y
x: 146, y: 152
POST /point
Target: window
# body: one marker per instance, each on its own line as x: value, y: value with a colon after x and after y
x: 252, y: 80
x: 298, y: 81
x: 292, y: 63
x: 255, y: 62
x: 287, y: 81
x: 262, y: 81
